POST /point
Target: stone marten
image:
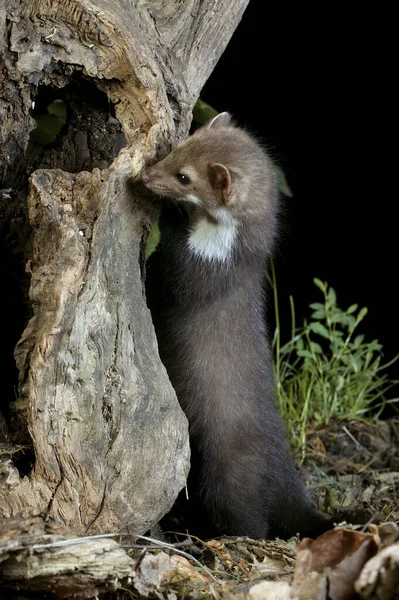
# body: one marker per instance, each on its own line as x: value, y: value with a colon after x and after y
x: 205, y: 289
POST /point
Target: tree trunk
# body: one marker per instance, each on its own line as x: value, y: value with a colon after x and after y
x: 95, y: 438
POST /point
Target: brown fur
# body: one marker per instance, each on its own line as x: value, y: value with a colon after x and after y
x: 210, y: 323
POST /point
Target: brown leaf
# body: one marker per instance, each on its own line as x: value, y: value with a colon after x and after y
x: 389, y: 533
x: 343, y: 577
x: 332, y: 561
x: 380, y: 576
x: 330, y: 548
x: 158, y: 572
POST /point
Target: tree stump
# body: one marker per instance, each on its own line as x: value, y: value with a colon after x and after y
x: 94, y: 438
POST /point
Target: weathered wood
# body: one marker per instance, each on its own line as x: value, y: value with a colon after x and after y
x: 43, y: 557
x: 110, y: 441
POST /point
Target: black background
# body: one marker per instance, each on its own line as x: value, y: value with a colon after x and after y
x: 316, y: 85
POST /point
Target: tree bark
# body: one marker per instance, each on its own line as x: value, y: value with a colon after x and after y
x: 110, y: 443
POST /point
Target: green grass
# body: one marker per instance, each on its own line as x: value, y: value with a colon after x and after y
x: 327, y: 370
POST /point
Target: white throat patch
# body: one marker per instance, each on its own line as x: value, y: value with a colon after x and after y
x: 214, y: 241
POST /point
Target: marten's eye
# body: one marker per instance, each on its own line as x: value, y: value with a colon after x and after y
x: 183, y: 178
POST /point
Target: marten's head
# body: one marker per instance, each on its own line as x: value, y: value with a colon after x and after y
x: 225, y: 179
x: 213, y: 168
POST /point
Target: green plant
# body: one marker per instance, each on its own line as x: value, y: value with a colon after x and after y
x: 327, y: 369
x: 152, y: 240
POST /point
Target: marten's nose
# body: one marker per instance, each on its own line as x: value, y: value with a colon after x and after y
x: 145, y: 178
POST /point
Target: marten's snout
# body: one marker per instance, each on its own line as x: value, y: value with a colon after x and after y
x: 145, y: 178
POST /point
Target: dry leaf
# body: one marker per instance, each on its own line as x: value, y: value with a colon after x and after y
x: 389, y: 533
x: 309, y: 586
x: 276, y: 590
x: 343, y: 577
x: 330, y: 548
x: 379, y: 578
x: 332, y: 561
x: 157, y: 572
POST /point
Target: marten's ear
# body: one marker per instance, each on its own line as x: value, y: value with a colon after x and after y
x: 221, y: 120
x: 220, y: 180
